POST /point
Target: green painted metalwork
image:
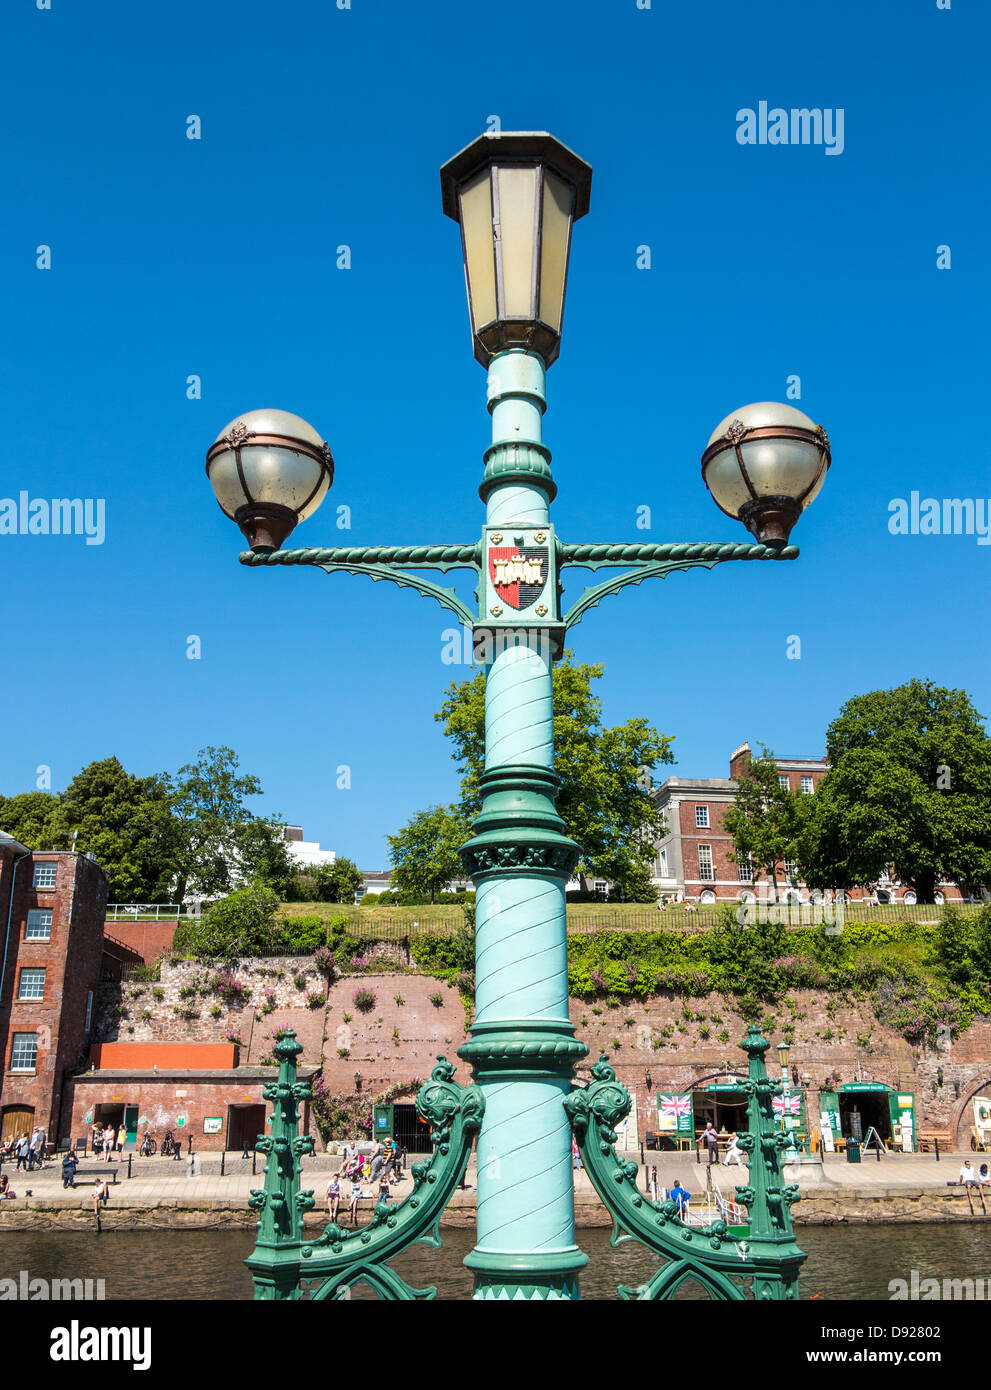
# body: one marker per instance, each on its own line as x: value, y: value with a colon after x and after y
x: 654, y: 562
x: 767, y: 1258
x: 285, y: 1266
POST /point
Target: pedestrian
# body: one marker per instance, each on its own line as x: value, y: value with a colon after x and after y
x: 967, y: 1174
x: 734, y: 1153
x: 355, y: 1194
x: 22, y: 1148
x: 33, y: 1158
x: 382, y: 1205
x: 69, y: 1170
x: 333, y: 1196
x: 680, y: 1198
x: 711, y: 1141
x: 576, y: 1158
x: 42, y: 1146
x: 108, y: 1143
x: 121, y: 1136
x: 377, y: 1160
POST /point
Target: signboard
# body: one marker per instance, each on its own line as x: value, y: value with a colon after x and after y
x: 901, y: 1107
x: 674, y: 1115
x: 864, y: 1086
x: 518, y: 586
x: 212, y: 1124
x: 382, y: 1121
x: 180, y: 1119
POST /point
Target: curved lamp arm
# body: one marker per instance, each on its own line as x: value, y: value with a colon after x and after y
x: 396, y: 563
x: 653, y: 562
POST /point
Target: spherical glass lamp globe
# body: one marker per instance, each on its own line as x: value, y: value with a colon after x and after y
x: 763, y: 465
x: 270, y: 470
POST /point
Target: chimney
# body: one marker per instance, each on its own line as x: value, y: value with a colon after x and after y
x: 739, y: 760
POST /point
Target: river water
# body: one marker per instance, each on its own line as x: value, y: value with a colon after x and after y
x: 854, y: 1262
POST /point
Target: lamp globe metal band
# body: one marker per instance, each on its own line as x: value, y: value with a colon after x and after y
x: 269, y: 470
x: 516, y: 195
x: 763, y: 465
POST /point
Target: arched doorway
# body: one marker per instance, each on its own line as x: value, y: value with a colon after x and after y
x: 17, y: 1120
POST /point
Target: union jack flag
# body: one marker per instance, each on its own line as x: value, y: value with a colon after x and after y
x: 794, y: 1105
x: 673, y: 1107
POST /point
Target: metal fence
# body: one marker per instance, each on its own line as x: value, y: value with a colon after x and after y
x: 144, y: 912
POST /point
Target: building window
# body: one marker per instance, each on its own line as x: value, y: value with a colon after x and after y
x: 24, y: 1052
x: 44, y: 874
x: 702, y: 817
x: 39, y: 926
x: 783, y: 782
x: 705, y: 863
x: 599, y: 885
x: 791, y: 869
x: 745, y: 869
x: 89, y: 1011
x: 31, y: 985
x: 808, y: 786
x: 662, y: 863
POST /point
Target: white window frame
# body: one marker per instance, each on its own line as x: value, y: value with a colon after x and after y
x: 662, y: 862
x: 43, y: 870
x: 784, y: 781
x: 31, y: 972
x: 808, y: 785
x: 704, y: 877
x: 745, y: 869
x: 36, y: 913
x: 13, y: 1052
x: 702, y: 818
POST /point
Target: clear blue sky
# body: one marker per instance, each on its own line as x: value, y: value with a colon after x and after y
x: 216, y: 257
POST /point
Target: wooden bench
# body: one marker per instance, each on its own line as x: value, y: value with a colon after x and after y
x: 104, y: 1172
x: 928, y: 1138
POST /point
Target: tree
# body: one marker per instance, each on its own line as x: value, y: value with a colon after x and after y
x: 124, y: 822
x: 763, y: 821
x: 908, y: 793
x: 425, y: 852
x: 262, y: 855
x: 338, y: 882
x: 212, y: 844
x: 605, y: 798
x: 30, y: 818
x: 242, y: 924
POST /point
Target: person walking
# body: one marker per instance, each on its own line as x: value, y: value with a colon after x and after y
x: 576, y: 1158
x: 733, y: 1154
x: 22, y: 1148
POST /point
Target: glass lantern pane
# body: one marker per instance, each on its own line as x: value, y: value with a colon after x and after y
x: 476, y: 222
x: 725, y: 482
x: 517, y: 221
x: 780, y: 467
x: 225, y: 482
x: 275, y: 474
x: 320, y: 494
x: 554, y: 238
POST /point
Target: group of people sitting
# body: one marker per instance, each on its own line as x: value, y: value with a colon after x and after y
x: 363, y: 1171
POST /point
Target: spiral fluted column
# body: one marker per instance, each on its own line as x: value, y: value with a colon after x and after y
x: 522, y: 1046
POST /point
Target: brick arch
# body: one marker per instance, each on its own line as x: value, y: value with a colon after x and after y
x: 961, y: 1108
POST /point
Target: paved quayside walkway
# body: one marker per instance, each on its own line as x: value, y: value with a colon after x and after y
x: 162, y: 1193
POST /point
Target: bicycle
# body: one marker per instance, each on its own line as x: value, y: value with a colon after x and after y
x: 169, y: 1146
x: 148, y: 1147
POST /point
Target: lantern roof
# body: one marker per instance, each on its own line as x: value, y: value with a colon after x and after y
x: 515, y: 147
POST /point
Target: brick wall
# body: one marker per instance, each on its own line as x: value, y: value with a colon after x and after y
x: 71, y: 958
x: 148, y: 940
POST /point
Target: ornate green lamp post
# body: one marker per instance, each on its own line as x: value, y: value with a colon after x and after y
x: 516, y: 197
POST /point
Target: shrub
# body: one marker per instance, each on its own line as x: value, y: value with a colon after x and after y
x: 230, y: 988
x: 344, y: 1052
x: 145, y: 1015
x: 364, y: 999
x: 369, y: 900
x: 299, y: 981
x: 232, y: 1037
x: 400, y: 1000
x: 315, y: 1001
x: 269, y: 1003
x: 215, y: 1011
x: 437, y: 999
x: 158, y: 992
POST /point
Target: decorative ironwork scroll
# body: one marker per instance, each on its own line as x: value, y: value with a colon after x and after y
x: 284, y: 1266
x: 766, y: 1256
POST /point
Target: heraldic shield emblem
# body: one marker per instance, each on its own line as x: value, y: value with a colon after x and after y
x: 518, y: 573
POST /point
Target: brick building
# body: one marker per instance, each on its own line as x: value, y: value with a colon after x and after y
x: 694, y: 860
x: 52, y: 909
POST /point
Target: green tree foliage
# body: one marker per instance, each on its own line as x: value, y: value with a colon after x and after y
x: 605, y: 796
x: 124, y: 822
x: 425, y: 852
x: 908, y: 793
x: 31, y: 819
x: 764, y: 821
x: 328, y: 883
x: 242, y: 924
